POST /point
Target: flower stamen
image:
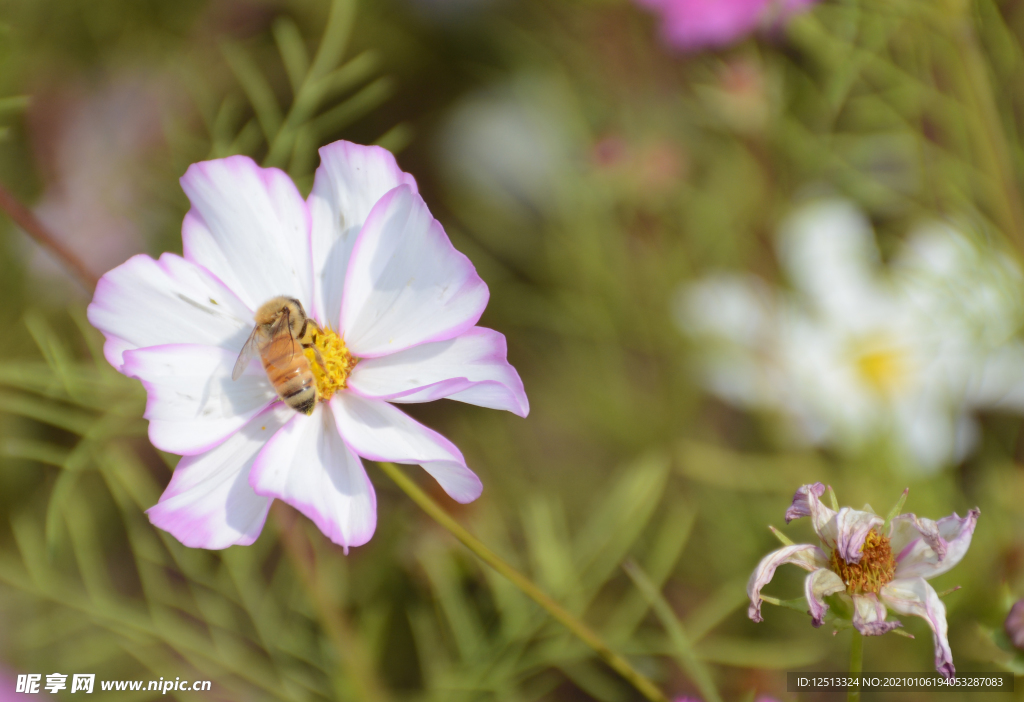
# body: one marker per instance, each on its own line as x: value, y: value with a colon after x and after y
x: 883, y: 365
x: 336, y: 359
x: 876, y: 569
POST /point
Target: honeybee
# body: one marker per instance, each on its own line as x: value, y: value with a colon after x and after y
x: 281, y: 334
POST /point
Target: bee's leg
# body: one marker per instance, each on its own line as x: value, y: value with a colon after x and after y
x: 309, y: 332
x: 319, y: 356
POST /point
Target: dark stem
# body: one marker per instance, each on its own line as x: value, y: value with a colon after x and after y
x: 26, y: 219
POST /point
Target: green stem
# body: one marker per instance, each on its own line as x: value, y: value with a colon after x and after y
x: 856, y: 665
x: 581, y: 630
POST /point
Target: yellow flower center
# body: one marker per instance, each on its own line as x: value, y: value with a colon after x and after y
x: 877, y: 566
x: 882, y: 365
x: 336, y: 359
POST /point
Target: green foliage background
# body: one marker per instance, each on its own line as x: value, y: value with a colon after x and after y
x: 909, y: 108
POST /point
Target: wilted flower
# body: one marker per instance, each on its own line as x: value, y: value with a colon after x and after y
x: 1015, y: 624
x: 398, y: 307
x: 692, y: 25
x: 857, y: 355
x: 871, y: 563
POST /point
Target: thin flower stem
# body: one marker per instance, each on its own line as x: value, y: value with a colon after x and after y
x: 577, y: 627
x: 856, y: 665
x: 356, y: 665
x: 26, y: 219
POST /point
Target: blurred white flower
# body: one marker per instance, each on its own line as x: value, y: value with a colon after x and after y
x: 508, y: 145
x: 857, y: 354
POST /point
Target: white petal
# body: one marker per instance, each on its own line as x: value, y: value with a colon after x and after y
x: 829, y: 252
x: 471, y: 368
x: 918, y: 598
x: 307, y: 465
x: 406, y: 283
x: 729, y: 307
x: 999, y: 381
x: 380, y: 432
x: 209, y: 502
x: 192, y: 403
x: 349, y: 182
x: 926, y: 427
x: 925, y: 548
x: 817, y: 586
x: 807, y: 556
x: 869, y: 616
x: 250, y: 227
x: 144, y: 302
x: 852, y: 527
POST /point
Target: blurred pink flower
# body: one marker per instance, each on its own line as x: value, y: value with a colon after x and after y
x: 1015, y: 624
x: 92, y: 147
x: 692, y: 25
x: 8, y: 684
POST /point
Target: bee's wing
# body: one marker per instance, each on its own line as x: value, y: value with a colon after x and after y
x: 282, y: 330
x: 248, y: 352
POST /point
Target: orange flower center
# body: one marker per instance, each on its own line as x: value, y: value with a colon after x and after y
x: 877, y: 566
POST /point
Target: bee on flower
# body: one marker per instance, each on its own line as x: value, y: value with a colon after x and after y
x: 872, y: 565
x: 275, y: 351
x: 861, y: 357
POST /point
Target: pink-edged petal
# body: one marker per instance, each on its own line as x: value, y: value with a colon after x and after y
x: 869, y: 616
x: 807, y: 556
x: 817, y: 586
x: 144, y: 302
x: 807, y: 503
x: 801, y: 506
x: 908, y: 530
x: 307, y: 465
x: 406, y: 283
x: 471, y: 368
x: 192, y: 404
x: 250, y: 227
x: 852, y: 527
x: 209, y: 502
x: 925, y: 548
x: 916, y: 597
x: 349, y: 182
x: 380, y: 432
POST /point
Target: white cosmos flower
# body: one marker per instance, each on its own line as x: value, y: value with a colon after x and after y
x: 859, y: 353
x: 872, y: 566
x: 368, y: 262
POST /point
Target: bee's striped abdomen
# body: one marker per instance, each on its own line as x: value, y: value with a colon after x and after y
x: 289, y: 373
